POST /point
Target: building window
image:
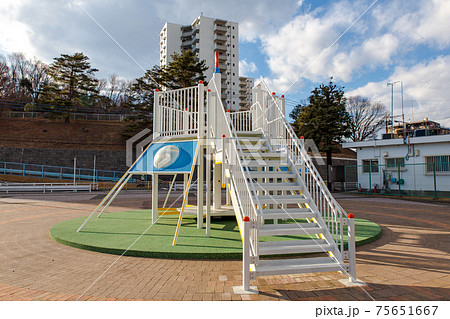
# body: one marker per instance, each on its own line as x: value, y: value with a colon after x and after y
x: 394, y: 163
x: 370, y: 166
x: 438, y: 163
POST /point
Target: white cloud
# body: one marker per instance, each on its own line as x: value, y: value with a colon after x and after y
x: 247, y: 68
x: 428, y: 24
x: 425, y: 90
x: 15, y: 35
x: 378, y: 39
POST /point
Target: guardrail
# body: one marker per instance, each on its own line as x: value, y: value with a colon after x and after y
x: 59, y: 172
x: 45, y: 187
x: 176, y: 112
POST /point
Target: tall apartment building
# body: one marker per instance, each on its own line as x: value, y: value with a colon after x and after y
x: 205, y: 36
x: 245, y: 92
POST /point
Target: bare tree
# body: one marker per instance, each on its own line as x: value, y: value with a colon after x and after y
x: 367, y: 117
x: 5, y: 79
x: 27, y: 76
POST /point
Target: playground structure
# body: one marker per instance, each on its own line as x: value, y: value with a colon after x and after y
x: 271, y: 184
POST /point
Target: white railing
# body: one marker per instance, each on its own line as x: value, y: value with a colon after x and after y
x: 242, y: 121
x: 176, y: 112
x: 242, y: 186
x: 268, y: 116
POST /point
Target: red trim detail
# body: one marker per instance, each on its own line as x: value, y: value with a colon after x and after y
x: 246, y: 219
x: 351, y: 215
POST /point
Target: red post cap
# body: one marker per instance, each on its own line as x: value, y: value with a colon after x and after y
x: 228, y: 111
x: 351, y: 215
x: 302, y: 137
x: 209, y: 90
x: 282, y: 96
x: 246, y: 219
x: 273, y: 93
x: 200, y: 82
x: 223, y: 135
x: 156, y: 90
x: 186, y: 109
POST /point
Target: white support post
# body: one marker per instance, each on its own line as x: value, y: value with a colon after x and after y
x: 217, y: 186
x: 155, y: 213
x: 209, y: 100
x: 351, y: 248
x: 258, y: 97
x: 246, y: 255
x: 200, y: 182
x: 208, y: 190
x: 201, y: 110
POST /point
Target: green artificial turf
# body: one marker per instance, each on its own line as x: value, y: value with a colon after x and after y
x: 131, y: 231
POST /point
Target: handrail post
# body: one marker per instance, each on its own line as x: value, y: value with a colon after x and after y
x: 156, y: 113
x: 351, y: 248
x: 246, y: 255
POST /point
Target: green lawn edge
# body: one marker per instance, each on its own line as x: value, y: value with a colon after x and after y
x: 376, y: 233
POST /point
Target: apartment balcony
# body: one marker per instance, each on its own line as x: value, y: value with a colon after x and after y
x: 220, y: 38
x: 189, y: 44
x: 220, y: 29
x: 220, y: 48
x: 243, y: 90
x: 222, y: 58
x: 189, y: 34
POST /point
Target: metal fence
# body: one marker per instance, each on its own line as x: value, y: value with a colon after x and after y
x: 431, y: 179
x: 73, y: 116
x: 59, y: 172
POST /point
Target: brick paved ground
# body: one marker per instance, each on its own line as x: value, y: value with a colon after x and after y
x: 410, y: 262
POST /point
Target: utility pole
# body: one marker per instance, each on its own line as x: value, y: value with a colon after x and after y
x: 392, y: 105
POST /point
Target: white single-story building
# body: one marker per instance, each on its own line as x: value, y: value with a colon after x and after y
x: 415, y: 165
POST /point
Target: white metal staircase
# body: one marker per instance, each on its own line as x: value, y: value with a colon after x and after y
x: 290, y: 223
x: 284, y: 210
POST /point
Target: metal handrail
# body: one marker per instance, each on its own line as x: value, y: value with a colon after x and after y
x: 232, y: 158
x: 277, y: 128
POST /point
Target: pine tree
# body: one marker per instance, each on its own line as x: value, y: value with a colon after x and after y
x: 73, y: 83
x: 324, y: 120
x: 183, y: 71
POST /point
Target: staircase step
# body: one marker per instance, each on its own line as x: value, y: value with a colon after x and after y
x: 277, y: 187
x: 282, y: 199
x: 264, y: 163
x: 272, y: 174
x: 247, y: 133
x: 258, y: 155
x: 294, y: 247
x: 290, y: 229
x: 295, y: 266
x: 251, y: 139
x: 254, y: 147
x: 290, y: 213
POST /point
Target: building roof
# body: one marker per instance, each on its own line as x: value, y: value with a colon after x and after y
x: 400, y: 141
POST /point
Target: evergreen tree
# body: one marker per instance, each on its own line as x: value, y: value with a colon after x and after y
x: 324, y: 120
x: 73, y: 83
x: 183, y: 71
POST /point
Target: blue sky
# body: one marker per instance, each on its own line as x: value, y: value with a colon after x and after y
x: 363, y: 44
